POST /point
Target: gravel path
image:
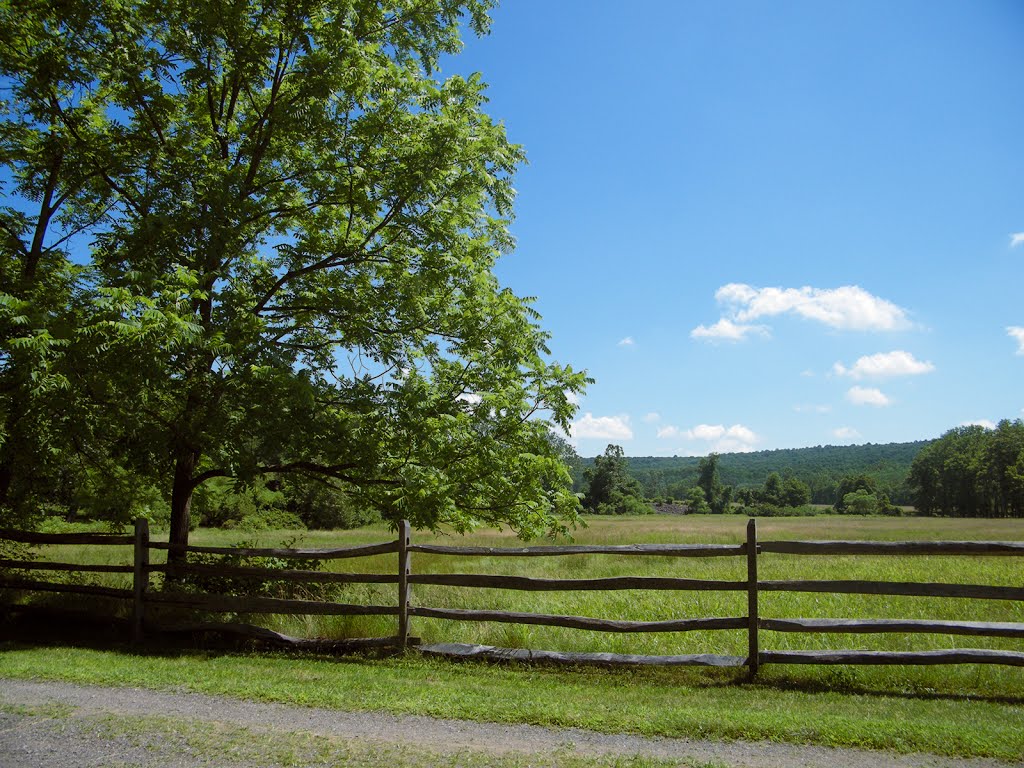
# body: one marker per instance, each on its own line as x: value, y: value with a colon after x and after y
x: 46, y: 724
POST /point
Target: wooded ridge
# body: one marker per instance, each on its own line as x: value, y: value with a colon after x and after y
x: 821, y: 467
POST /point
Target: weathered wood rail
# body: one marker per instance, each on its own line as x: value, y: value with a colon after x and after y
x: 13, y: 576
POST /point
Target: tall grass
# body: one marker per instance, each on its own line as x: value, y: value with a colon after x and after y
x: 651, y: 605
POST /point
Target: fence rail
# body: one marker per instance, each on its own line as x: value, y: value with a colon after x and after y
x: 307, y: 554
x: 660, y: 550
x: 143, y: 597
x: 31, y: 537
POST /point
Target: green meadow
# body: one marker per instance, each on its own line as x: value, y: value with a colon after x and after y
x: 660, y: 605
x: 956, y: 710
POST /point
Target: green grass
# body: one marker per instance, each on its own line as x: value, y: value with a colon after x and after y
x: 655, y: 702
x: 963, y: 709
x: 649, y: 605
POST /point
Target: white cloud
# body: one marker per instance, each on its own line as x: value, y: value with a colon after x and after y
x: 867, y: 396
x: 734, y: 439
x: 572, y: 397
x: 808, y: 374
x: 1017, y: 238
x: 669, y: 432
x: 652, y: 418
x: 986, y: 423
x: 727, y: 330
x: 602, y: 427
x: 471, y: 398
x: 811, y: 408
x: 848, y: 307
x: 627, y: 342
x: 895, y: 363
x: 1017, y: 332
x: 846, y: 433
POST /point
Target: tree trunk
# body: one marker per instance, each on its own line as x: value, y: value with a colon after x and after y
x: 6, y: 477
x: 181, y: 503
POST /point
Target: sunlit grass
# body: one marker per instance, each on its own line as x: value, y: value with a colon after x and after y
x: 831, y: 706
x: 653, y: 605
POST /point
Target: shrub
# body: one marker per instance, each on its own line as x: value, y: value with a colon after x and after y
x: 270, y: 519
x: 774, y: 510
x: 243, y: 586
x: 322, y: 507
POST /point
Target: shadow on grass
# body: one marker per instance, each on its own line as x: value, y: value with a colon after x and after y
x: 840, y: 680
x: 28, y: 627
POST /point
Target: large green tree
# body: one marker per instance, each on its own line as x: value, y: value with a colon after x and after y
x: 50, y: 195
x: 611, y: 489
x: 717, y: 495
x: 287, y: 224
x: 972, y: 471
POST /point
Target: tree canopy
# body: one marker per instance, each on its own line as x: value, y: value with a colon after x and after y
x: 611, y: 490
x: 716, y: 494
x: 249, y: 238
x: 972, y: 471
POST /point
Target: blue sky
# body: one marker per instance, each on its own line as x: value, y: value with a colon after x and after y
x: 767, y: 225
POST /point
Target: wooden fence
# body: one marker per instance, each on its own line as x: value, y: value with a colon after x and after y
x: 142, y: 597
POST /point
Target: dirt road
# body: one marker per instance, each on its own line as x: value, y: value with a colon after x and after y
x: 45, y: 724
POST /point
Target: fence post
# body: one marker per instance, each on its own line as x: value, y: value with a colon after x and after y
x: 404, y: 569
x: 753, y: 660
x: 140, y: 580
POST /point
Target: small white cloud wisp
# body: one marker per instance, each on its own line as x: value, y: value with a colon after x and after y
x: 720, y: 438
x: 846, y: 433
x: 868, y: 396
x: 727, y: 330
x: 602, y: 427
x: 1017, y: 332
x: 885, y: 365
x: 812, y: 408
x: 1017, y: 238
x: 627, y: 342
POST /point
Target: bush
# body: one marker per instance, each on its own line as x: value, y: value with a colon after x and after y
x: 241, y: 586
x: 270, y: 519
x: 621, y: 504
x: 696, y: 502
x: 322, y: 507
x: 290, y: 503
x: 60, y: 524
x: 222, y: 503
x: 118, y: 497
x: 774, y: 510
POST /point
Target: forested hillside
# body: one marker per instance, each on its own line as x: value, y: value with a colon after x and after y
x: 821, y: 467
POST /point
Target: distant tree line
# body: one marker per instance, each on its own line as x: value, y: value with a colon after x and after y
x: 821, y: 468
x: 972, y: 471
x: 760, y: 483
x: 610, y: 488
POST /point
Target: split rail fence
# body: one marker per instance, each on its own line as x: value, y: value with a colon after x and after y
x: 142, y: 598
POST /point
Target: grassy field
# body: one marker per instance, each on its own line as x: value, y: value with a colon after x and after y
x: 966, y: 710
x: 649, y: 605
